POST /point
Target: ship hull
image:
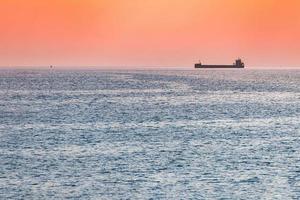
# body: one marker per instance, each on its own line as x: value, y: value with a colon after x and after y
x: 198, y: 66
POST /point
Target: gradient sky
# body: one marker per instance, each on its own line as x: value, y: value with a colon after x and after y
x: 266, y: 33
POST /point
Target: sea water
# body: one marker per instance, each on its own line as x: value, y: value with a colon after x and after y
x: 207, y: 134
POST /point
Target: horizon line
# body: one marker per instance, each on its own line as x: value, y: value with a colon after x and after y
x: 126, y: 67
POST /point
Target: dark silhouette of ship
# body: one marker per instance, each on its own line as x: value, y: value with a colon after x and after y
x: 238, y: 64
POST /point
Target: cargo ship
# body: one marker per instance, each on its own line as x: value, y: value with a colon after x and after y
x: 238, y: 64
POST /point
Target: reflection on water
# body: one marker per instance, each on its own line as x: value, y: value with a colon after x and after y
x: 230, y: 134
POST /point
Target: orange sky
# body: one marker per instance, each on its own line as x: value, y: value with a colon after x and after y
x: 266, y: 33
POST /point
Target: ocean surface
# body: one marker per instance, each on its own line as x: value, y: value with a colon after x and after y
x: 157, y: 134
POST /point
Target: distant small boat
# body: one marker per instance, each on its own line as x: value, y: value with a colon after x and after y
x: 51, y: 66
x: 238, y: 64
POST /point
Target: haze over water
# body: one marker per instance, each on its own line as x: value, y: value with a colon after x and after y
x: 230, y: 134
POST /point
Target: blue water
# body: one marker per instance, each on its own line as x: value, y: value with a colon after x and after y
x: 231, y: 134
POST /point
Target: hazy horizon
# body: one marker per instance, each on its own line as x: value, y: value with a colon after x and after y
x: 75, y: 67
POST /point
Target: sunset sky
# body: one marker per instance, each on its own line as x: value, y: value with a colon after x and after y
x: 140, y: 33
